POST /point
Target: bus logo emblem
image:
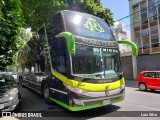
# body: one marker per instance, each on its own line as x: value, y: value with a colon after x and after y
x: 106, y: 90
x: 93, y: 25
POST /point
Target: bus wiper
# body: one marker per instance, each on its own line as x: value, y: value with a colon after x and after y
x: 82, y: 79
x: 99, y: 75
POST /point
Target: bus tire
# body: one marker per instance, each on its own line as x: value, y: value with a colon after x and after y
x: 142, y: 87
x: 46, y: 93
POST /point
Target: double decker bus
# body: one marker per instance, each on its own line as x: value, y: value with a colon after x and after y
x: 74, y: 61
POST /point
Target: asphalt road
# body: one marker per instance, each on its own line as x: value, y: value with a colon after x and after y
x: 135, y: 100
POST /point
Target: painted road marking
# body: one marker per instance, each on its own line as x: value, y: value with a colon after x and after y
x: 149, y: 107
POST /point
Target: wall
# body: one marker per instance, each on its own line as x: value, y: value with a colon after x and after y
x: 148, y: 62
x: 127, y: 67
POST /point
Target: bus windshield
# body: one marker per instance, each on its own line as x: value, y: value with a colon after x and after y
x: 86, y: 25
x: 96, y: 62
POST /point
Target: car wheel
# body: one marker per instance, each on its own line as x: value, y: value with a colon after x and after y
x: 19, y: 106
x: 46, y: 93
x: 142, y: 87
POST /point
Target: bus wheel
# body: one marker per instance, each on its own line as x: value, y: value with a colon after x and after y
x: 46, y: 93
x: 142, y: 87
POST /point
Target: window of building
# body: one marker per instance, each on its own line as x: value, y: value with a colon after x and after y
x: 144, y: 19
x: 138, y: 42
x: 136, y: 16
x: 154, y: 30
x: 158, y: 5
x: 145, y: 32
x: 145, y: 41
x: 155, y: 41
x: 137, y: 34
x: 152, y: 11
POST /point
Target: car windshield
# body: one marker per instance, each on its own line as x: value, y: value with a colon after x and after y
x: 6, y: 81
x: 96, y: 62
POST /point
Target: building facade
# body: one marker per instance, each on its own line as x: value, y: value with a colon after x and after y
x: 120, y: 33
x: 145, y: 32
x: 145, y: 25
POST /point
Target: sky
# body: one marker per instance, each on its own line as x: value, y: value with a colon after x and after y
x: 119, y: 8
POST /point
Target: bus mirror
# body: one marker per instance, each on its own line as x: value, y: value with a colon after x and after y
x: 120, y: 75
x: 70, y: 41
x: 130, y: 43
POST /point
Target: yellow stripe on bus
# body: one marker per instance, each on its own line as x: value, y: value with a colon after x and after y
x: 88, y: 86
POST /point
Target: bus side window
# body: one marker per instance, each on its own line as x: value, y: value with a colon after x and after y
x: 54, y: 48
x: 61, y: 64
x: 62, y: 56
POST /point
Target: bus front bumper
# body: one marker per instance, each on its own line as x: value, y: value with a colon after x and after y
x: 95, y: 105
x: 99, y: 100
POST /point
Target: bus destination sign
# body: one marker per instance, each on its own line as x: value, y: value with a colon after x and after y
x: 96, y: 42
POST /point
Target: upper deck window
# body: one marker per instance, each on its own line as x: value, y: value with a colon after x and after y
x: 86, y: 25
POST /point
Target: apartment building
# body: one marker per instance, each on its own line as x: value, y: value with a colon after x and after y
x: 120, y: 33
x: 145, y: 25
x: 145, y: 32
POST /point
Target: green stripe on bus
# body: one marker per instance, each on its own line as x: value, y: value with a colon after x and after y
x: 70, y: 41
x: 82, y: 107
x: 132, y: 44
x: 33, y: 89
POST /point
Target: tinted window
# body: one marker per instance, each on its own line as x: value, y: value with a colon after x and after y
x: 149, y: 74
x: 86, y: 25
x: 96, y: 62
x: 58, y: 51
x: 157, y: 75
x: 6, y: 81
x: 54, y: 26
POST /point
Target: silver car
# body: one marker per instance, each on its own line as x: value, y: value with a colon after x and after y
x: 10, y: 98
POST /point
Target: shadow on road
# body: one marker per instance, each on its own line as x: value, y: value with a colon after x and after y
x: 150, y: 91
x: 33, y: 102
x: 97, y: 112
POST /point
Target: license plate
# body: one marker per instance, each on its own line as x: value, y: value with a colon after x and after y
x: 106, y: 102
x: 1, y: 106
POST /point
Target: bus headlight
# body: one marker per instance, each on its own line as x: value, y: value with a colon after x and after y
x: 122, y: 87
x: 76, y: 90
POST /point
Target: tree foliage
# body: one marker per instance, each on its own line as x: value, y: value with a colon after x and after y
x: 37, y: 12
x: 10, y: 23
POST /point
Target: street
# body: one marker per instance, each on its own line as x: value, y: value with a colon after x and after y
x: 135, y: 100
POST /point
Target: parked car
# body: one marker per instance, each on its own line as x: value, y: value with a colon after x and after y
x: 14, y: 74
x: 149, y: 80
x: 10, y: 98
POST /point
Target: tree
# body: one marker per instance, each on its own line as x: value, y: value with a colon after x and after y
x: 37, y: 12
x: 11, y: 21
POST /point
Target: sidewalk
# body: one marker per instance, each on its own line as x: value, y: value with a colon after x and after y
x: 131, y: 83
